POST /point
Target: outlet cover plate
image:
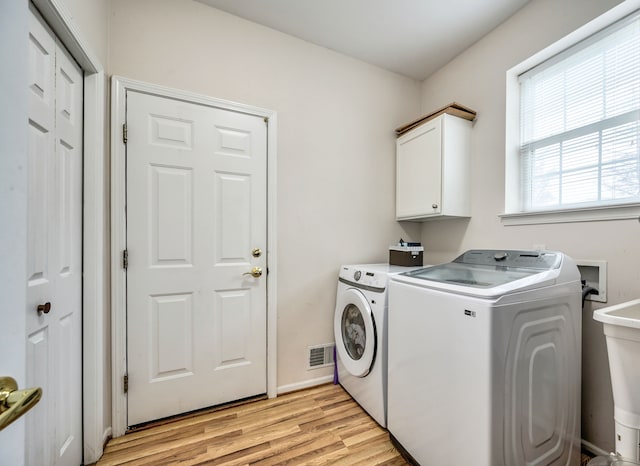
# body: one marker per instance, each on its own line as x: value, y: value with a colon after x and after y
x: 595, y: 274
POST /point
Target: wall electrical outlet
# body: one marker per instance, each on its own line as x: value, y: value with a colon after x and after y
x: 594, y: 272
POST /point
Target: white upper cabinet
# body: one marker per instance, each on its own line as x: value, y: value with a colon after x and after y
x: 433, y: 170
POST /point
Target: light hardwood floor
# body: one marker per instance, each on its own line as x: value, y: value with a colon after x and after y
x: 321, y: 425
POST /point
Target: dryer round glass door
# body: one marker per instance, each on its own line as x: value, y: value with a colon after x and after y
x: 355, y: 332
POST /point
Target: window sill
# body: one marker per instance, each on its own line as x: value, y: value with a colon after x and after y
x: 586, y: 214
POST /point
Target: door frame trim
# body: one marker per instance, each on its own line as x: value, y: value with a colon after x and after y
x: 119, y: 87
x: 95, y: 425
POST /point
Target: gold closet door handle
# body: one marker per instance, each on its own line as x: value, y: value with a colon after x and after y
x: 13, y: 402
x: 255, y: 272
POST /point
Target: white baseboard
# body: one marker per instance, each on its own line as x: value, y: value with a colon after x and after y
x: 106, y: 436
x: 304, y: 384
x: 594, y: 449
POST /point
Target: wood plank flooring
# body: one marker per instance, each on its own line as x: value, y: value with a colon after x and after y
x: 318, y: 426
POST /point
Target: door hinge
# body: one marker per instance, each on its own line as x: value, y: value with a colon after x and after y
x: 266, y: 120
x: 124, y: 133
x: 125, y: 383
x: 125, y: 259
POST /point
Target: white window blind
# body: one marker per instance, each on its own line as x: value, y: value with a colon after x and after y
x: 580, y: 123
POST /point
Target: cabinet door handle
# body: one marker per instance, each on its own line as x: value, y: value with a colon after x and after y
x: 434, y: 206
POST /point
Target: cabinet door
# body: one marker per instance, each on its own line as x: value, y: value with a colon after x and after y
x: 419, y: 171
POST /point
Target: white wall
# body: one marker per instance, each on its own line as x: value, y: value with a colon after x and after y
x: 91, y: 16
x: 476, y: 78
x: 336, y: 144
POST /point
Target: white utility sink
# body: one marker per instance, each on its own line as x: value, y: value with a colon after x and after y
x: 625, y: 314
x: 621, y: 324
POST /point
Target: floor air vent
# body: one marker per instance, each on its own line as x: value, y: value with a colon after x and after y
x: 321, y: 356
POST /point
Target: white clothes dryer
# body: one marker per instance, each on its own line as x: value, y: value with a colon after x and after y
x: 484, y: 360
x: 360, y: 327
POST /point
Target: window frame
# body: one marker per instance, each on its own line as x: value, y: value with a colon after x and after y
x: 512, y: 214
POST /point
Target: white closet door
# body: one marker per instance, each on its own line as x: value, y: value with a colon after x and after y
x: 54, y: 253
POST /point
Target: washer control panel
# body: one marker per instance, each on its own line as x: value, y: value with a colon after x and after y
x: 544, y: 260
x: 363, y: 278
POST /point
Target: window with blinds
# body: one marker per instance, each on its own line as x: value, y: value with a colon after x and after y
x: 580, y: 123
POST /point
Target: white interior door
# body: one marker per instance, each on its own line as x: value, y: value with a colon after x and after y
x: 54, y: 251
x: 196, y: 211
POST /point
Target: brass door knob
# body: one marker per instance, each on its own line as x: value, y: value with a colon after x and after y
x: 13, y: 402
x: 46, y: 307
x: 255, y: 272
x: 257, y: 252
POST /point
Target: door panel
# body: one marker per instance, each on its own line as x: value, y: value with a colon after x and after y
x: 40, y: 244
x: 54, y: 246
x: 67, y: 316
x: 196, y: 208
x: 40, y: 140
x: 419, y: 171
x: 38, y: 419
x: 231, y: 215
x: 172, y: 339
x: 232, y: 311
x: 171, y: 207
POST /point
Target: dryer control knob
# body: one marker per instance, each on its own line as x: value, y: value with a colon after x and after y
x: 500, y: 256
x: 356, y: 275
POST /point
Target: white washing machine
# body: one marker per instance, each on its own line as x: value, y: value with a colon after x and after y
x: 484, y: 360
x: 360, y: 327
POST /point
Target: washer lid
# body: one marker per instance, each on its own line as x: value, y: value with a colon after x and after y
x: 488, y: 273
x: 479, y: 276
x: 490, y: 268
